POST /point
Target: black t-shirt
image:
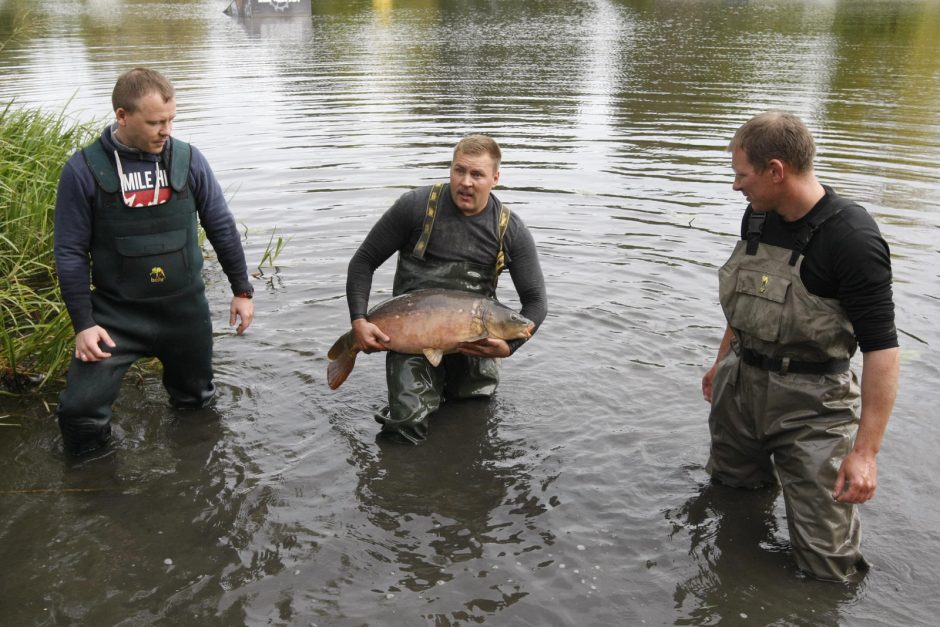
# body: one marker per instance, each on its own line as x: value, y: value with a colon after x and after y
x: 847, y: 259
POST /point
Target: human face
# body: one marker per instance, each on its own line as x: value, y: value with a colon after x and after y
x: 147, y: 128
x: 471, y: 179
x: 758, y: 187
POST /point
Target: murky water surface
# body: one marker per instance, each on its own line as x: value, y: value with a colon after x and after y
x: 578, y: 496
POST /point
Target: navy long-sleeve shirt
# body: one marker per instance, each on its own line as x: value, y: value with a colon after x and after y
x: 74, y: 219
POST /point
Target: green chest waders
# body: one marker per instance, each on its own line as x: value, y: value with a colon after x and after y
x: 784, y: 402
x: 415, y: 387
x: 148, y: 295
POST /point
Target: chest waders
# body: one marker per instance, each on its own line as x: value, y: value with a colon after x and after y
x: 148, y: 295
x: 415, y: 387
x: 784, y: 402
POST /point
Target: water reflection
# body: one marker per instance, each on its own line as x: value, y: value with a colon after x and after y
x: 142, y: 522
x: 286, y: 31
x: 448, y: 506
x: 740, y: 560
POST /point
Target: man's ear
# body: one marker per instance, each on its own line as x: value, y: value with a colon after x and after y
x: 777, y: 170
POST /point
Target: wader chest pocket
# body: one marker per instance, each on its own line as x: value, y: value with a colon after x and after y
x: 760, y: 299
x: 153, y: 265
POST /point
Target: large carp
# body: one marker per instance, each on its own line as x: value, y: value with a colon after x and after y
x: 431, y: 322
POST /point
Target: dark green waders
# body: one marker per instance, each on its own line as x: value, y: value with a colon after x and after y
x: 785, y: 404
x: 416, y: 389
x: 150, y: 298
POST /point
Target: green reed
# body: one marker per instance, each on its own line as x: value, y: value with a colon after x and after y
x: 36, y: 337
x: 272, y: 251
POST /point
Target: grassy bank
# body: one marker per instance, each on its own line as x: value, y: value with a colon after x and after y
x: 36, y: 337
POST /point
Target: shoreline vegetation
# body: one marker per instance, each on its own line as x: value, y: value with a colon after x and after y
x: 36, y: 337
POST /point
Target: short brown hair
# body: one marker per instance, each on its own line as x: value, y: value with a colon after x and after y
x: 134, y: 84
x: 477, y: 145
x: 776, y: 135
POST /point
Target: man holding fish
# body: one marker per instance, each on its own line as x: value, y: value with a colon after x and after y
x: 450, y: 238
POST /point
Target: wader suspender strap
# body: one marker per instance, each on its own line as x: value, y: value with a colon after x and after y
x: 431, y: 212
x: 107, y: 178
x: 755, y: 225
x: 180, y: 155
x: 503, y: 227
x: 810, y: 228
x: 101, y: 167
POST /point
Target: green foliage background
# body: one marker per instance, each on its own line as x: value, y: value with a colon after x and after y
x: 36, y: 337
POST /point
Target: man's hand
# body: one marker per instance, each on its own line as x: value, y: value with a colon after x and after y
x: 857, y: 479
x: 242, y: 309
x: 369, y: 338
x: 858, y: 474
x: 707, y: 382
x: 86, y: 344
x: 487, y: 347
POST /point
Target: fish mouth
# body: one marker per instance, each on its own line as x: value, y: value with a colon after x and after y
x: 529, y: 330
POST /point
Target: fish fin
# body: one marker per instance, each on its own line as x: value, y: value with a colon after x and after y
x: 434, y: 355
x: 338, y: 370
x: 342, y: 357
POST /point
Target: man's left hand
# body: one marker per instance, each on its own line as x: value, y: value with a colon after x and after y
x: 242, y: 309
x: 487, y: 347
x: 857, y: 479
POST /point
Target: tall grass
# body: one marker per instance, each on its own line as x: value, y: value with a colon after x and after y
x: 36, y: 337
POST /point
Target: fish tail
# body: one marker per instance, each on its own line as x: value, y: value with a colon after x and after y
x: 342, y: 357
x: 343, y: 345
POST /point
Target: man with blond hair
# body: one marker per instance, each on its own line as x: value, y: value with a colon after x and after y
x: 456, y: 235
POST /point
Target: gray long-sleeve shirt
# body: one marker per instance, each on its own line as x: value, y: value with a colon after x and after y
x: 456, y: 237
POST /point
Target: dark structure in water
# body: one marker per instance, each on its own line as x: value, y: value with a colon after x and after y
x: 268, y: 8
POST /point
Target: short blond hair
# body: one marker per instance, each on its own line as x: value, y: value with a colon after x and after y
x: 477, y: 145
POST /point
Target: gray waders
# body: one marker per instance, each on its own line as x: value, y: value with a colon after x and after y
x: 416, y: 389
x: 785, y: 404
x: 148, y: 295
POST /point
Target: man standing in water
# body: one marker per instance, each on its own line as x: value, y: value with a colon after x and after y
x: 454, y: 236
x: 809, y: 282
x: 127, y: 211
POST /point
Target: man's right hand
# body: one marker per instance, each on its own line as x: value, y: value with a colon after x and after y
x: 369, y: 338
x: 86, y: 344
x: 707, y: 382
